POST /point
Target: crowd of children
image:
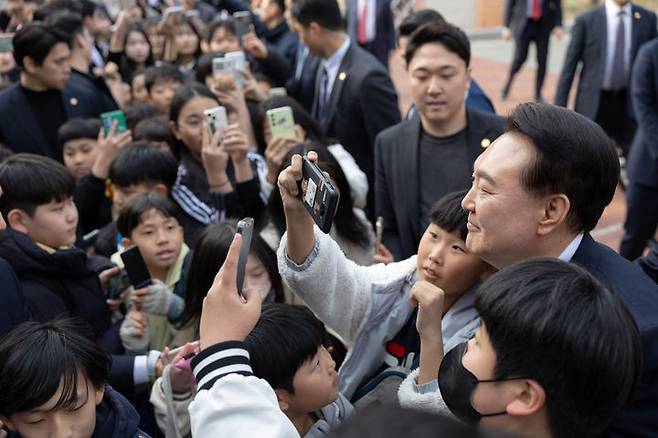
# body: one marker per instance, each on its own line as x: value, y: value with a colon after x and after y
x: 330, y: 336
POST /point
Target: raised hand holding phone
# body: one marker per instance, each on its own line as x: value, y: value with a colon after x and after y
x: 227, y: 316
x: 214, y: 158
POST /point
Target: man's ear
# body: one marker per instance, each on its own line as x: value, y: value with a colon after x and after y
x: 556, y: 209
x: 99, y: 393
x: 18, y: 220
x: 530, y: 399
x: 126, y: 242
x: 29, y: 65
x: 7, y: 422
x: 283, y: 397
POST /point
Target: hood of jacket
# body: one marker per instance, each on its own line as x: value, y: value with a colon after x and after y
x: 116, y: 417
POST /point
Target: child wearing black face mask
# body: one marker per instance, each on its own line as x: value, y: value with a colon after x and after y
x: 556, y: 355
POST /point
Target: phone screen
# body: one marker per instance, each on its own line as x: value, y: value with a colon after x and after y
x: 245, y: 228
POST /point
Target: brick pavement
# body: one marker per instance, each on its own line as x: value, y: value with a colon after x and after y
x: 491, y: 76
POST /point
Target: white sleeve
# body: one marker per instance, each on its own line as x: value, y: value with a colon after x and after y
x: 232, y: 400
x: 426, y: 397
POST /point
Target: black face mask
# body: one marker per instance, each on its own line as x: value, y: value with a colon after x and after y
x: 457, y: 385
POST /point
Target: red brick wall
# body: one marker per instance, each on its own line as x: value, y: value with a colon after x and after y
x: 489, y: 13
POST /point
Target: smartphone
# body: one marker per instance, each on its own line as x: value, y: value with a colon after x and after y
x: 246, y: 229
x: 278, y: 91
x: 379, y: 232
x: 216, y: 118
x: 137, y: 271
x: 239, y: 64
x: 172, y: 353
x: 117, y: 284
x: 173, y: 10
x: 318, y: 194
x: 89, y: 239
x: 281, y: 122
x: 108, y: 118
x: 6, y: 42
x: 242, y: 23
x: 223, y: 66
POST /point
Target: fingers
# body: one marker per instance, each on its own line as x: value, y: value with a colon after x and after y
x: 226, y: 278
x: 252, y: 299
x: 107, y: 274
x: 289, y: 177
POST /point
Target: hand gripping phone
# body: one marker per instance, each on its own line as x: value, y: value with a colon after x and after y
x: 108, y: 118
x: 137, y: 271
x: 246, y: 229
x: 319, y: 196
x: 217, y: 119
x: 242, y: 23
x: 281, y: 122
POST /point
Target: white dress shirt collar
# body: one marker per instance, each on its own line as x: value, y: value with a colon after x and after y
x: 571, y: 249
x: 332, y: 64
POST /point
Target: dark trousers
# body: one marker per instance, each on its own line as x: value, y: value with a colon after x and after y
x: 613, y: 117
x: 540, y: 33
x: 641, y: 219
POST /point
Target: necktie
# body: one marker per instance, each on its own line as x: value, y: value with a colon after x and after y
x: 323, y: 101
x: 536, y: 10
x: 618, y: 74
x: 363, y: 22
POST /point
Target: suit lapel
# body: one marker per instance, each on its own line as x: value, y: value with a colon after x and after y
x: 339, y: 82
x: 408, y: 146
x: 636, y: 25
x: 318, y: 81
x: 478, y: 135
x: 601, y: 23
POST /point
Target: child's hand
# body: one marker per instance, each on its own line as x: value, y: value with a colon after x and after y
x: 227, y: 316
x: 134, y: 331
x: 214, y: 158
x: 253, y: 45
x: 383, y: 255
x: 109, y: 147
x: 429, y: 300
x: 235, y: 144
x: 275, y: 152
x: 154, y: 299
x: 181, y: 377
x: 105, y: 276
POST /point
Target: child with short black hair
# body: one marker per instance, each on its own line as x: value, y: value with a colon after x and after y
x: 375, y: 308
x: 155, y: 130
x: 54, y: 383
x: 149, y: 222
x: 56, y: 278
x: 78, y: 139
x: 138, y: 168
x: 161, y: 83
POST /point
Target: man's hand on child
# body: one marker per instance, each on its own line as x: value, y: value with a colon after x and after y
x: 429, y: 300
x: 226, y: 315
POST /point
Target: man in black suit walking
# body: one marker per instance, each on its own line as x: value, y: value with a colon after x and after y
x: 528, y: 21
x: 605, y: 42
x: 430, y: 155
x: 354, y: 97
x: 370, y: 23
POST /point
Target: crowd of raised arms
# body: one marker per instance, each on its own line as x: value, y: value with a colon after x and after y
x: 217, y: 220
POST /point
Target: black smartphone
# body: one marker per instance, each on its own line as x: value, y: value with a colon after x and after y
x: 242, y: 23
x: 136, y: 268
x: 318, y: 194
x: 246, y: 229
x: 117, y: 284
x: 89, y: 239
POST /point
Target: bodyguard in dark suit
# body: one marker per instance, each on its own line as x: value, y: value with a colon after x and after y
x: 354, y: 97
x: 422, y: 159
x: 370, y: 24
x: 531, y: 20
x: 606, y: 53
x: 642, y: 192
x: 538, y: 191
x: 33, y: 109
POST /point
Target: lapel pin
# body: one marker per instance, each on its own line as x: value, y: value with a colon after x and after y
x: 342, y: 76
x: 73, y: 101
x: 637, y: 15
x: 485, y: 142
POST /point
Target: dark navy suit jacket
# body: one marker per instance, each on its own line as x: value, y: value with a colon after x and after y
x: 640, y: 294
x: 643, y: 158
x: 384, y: 40
x: 20, y: 130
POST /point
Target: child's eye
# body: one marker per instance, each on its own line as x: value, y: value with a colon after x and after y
x: 36, y: 421
x: 457, y: 248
